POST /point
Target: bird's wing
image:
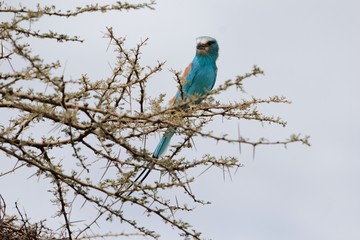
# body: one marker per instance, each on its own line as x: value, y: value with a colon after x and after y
x: 184, y: 81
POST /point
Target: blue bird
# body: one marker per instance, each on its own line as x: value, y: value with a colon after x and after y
x: 197, y: 80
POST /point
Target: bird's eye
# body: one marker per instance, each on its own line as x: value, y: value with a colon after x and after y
x: 209, y: 43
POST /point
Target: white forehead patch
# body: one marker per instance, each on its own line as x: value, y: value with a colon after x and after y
x: 204, y: 39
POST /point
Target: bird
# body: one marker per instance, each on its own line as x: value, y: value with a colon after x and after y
x: 198, y: 79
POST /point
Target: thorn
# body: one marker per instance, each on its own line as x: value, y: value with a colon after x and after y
x: 254, y: 151
x: 239, y: 136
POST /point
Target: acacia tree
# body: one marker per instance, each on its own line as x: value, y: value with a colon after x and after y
x: 103, y: 125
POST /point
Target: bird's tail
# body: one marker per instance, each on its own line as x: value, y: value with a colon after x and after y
x: 159, y: 151
x: 164, y: 143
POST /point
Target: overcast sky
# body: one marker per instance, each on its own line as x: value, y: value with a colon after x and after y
x: 310, y: 53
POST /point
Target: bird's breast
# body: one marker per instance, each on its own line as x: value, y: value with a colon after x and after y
x: 204, y: 80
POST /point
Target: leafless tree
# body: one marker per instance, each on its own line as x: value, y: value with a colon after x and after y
x: 103, y: 125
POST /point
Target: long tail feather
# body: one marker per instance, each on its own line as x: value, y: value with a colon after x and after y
x: 164, y: 143
x: 159, y: 151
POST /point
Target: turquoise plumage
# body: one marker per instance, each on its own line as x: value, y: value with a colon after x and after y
x: 197, y: 80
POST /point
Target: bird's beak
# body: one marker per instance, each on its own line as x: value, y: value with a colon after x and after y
x: 201, y: 46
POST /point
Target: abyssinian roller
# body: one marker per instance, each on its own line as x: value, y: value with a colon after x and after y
x: 197, y: 80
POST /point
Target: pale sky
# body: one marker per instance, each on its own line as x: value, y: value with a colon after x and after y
x: 310, y: 53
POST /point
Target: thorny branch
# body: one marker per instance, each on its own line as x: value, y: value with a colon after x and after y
x: 85, y: 136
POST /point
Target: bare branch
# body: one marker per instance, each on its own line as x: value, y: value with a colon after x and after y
x: 100, y: 127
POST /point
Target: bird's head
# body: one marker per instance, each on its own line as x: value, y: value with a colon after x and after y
x: 207, y: 46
